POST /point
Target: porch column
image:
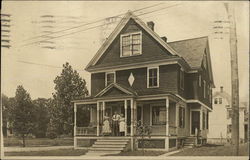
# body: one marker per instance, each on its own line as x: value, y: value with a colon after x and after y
x: 167, y: 125
x: 126, y: 115
x: 132, y: 124
x: 201, y: 116
x: 98, y: 120
x: 103, y: 109
x: 177, y: 117
x: 75, y: 110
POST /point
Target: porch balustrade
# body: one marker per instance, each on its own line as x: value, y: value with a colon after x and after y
x: 86, y: 131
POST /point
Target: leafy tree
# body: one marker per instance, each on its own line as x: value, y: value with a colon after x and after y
x: 69, y: 86
x: 6, y: 113
x: 23, y: 113
x: 42, y: 117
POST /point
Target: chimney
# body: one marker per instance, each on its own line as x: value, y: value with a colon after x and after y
x: 151, y: 25
x: 164, y: 38
x: 221, y: 89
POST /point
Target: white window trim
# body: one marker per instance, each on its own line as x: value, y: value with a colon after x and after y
x: 204, y: 88
x: 158, y: 76
x: 130, y: 34
x: 182, y: 72
x: 184, y: 114
x: 106, y: 73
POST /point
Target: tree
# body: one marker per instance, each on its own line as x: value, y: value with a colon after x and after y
x: 69, y: 86
x: 42, y: 117
x: 23, y: 113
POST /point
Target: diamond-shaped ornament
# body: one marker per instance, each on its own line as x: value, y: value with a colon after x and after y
x: 131, y: 79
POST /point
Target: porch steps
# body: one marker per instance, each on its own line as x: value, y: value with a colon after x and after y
x: 189, y: 142
x: 107, y: 146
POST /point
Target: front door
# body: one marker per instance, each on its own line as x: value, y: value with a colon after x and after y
x: 195, y: 121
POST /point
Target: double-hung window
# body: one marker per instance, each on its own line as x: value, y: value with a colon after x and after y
x: 158, y: 115
x: 131, y: 44
x: 204, y: 88
x: 110, y: 78
x: 153, y: 77
x: 181, y: 79
x: 181, y: 117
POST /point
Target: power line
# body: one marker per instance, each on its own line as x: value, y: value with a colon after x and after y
x: 93, y: 22
x: 94, y: 27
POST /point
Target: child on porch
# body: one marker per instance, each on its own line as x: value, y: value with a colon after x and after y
x: 122, y: 125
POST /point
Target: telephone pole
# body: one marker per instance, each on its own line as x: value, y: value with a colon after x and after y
x: 234, y: 79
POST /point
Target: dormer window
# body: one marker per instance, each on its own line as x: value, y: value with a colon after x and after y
x: 109, y: 78
x: 131, y: 44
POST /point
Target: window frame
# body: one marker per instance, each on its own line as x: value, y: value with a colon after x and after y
x: 131, y: 44
x: 199, y: 80
x: 158, y: 77
x: 151, y: 114
x: 204, y: 89
x: 182, y: 116
x: 182, y: 79
x: 106, y: 74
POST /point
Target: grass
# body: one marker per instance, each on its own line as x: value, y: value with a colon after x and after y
x: 58, y: 152
x: 139, y: 153
x: 213, y: 150
x: 32, y: 142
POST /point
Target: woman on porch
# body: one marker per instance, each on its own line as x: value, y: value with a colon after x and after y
x: 106, y: 125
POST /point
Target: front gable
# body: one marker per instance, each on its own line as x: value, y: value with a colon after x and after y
x: 153, y: 47
x: 150, y: 48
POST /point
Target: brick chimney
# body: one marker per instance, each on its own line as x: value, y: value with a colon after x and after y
x: 151, y: 25
x: 221, y: 89
x: 164, y: 38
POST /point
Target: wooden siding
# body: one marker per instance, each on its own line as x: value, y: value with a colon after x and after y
x: 168, y: 80
x: 151, y: 49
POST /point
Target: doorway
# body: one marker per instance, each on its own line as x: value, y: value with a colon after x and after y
x: 195, y: 121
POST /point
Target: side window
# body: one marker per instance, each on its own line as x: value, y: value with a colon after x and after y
x: 204, y: 88
x: 215, y: 100
x: 182, y: 117
x: 220, y: 100
x: 181, y: 79
x: 158, y: 115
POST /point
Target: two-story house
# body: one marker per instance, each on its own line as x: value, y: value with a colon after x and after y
x: 166, y: 85
x: 220, y: 122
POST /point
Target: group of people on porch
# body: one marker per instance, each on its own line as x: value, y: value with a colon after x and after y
x: 114, y: 126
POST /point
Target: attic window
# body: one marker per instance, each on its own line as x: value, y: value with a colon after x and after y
x: 131, y: 44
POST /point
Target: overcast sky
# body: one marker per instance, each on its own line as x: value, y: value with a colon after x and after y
x: 35, y: 66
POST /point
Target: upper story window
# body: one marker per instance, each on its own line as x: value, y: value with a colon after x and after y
x: 131, y: 44
x: 158, y: 115
x: 220, y: 100
x: 216, y: 101
x: 153, y: 77
x: 204, y: 88
x: 181, y: 79
x: 109, y: 78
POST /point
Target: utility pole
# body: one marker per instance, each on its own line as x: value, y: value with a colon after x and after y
x: 234, y: 79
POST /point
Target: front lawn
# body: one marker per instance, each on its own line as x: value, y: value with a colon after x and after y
x: 33, y: 142
x: 139, y: 153
x: 58, y: 152
x: 213, y: 150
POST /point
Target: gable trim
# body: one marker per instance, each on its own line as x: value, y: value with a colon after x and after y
x: 118, y: 29
x: 105, y: 90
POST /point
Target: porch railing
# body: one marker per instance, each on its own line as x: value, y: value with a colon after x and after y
x: 172, y: 130
x: 86, y: 131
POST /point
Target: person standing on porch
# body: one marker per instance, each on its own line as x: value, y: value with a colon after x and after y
x: 106, y: 125
x: 122, y: 125
x: 115, y: 126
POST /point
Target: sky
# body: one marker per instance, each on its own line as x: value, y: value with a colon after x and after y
x: 34, y: 61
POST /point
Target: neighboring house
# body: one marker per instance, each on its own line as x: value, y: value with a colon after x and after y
x: 167, y: 85
x: 220, y: 122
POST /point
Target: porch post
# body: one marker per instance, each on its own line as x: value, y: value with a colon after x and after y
x: 97, y: 122
x: 177, y: 117
x: 167, y: 125
x: 132, y: 124
x: 126, y: 115
x: 75, y: 110
x: 103, y: 108
x: 201, y: 116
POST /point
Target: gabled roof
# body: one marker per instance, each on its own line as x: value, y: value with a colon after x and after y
x: 223, y: 95
x: 192, y: 50
x: 123, y: 89
x: 129, y: 15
